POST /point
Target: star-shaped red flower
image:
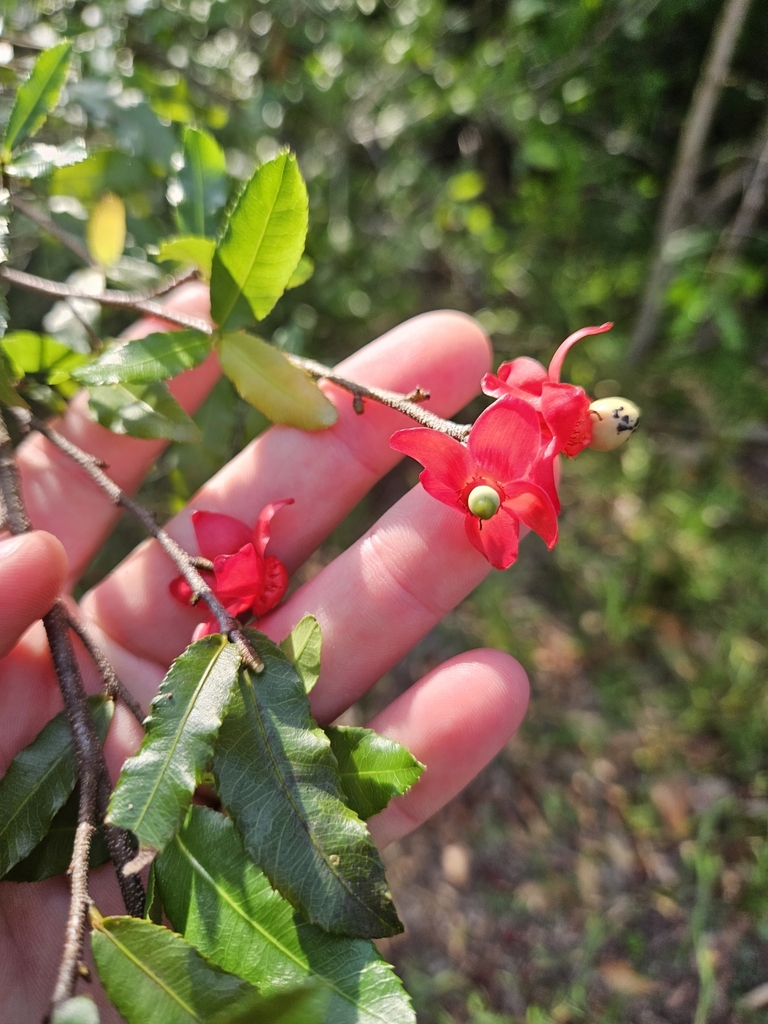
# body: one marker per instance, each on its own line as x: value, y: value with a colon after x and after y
x: 245, y: 580
x: 498, y: 480
x: 564, y: 408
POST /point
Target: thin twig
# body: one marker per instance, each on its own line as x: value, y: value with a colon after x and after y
x: 90, y: 767
x: 173, y: 281
x: 138, y: 302
x: 52, y: 228
x: 96, y: 344
x: 134, y: 302
x: 121, y: 853
x: 600, y: 34
x: 227, y: 623
x: 112, y: 684
x: 85, y: 739
x: 686, y: 168
x: 736, y: 235
x: 406, y: 404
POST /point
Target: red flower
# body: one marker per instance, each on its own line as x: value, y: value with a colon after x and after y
x: 243, y: 579
x: 564, y: 408
x: 498, y: 480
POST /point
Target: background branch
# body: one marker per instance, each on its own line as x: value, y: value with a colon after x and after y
x: 406, y: 404
x: 52, y: 228
x: 686, y: 169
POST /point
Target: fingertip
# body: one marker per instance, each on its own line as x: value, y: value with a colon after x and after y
x: 454, y: 720
x: 33, y: 570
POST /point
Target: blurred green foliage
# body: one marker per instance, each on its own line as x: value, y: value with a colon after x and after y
x: 509, y: 159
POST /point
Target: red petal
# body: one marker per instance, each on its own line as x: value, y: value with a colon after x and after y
x: 182, y: 591
x: 524, y: 373
x: 542, y: 472
x: 505, y: 439
x: 494, y: 387
x: 496, y: 538
x: 565, y: 408
x: 557, y: 359
x: 205, y: 629
x: 448, y: 466
x: 275, y: 585
x: 218, y: 534
x: 239, y: 578
x: 261, y: 529
x: 532, y: 506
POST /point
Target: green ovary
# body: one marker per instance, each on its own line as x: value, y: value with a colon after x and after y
x: 483, y: 501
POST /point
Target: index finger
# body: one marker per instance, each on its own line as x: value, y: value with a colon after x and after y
x: 327, y: 473
x: 59, y: 497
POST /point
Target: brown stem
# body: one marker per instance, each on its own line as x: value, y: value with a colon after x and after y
x: 52, y: 228
x: 90, y: 764
x: 406, y: 404
x: 134, y: 302
x: 227, y: 623
x: 112, y: 684
x: 90, y: 758
x: 139, y: 303
x: 736, y: 235
x: 686, y: 169
x: 121, y: 852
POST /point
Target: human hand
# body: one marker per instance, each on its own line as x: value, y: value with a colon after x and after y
x: 374, y: 602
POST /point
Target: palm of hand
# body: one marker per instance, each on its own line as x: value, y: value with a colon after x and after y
x: 374, y: 602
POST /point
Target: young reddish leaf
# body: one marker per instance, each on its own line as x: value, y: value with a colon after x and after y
x: 277, y: 776
x: 266, y: 379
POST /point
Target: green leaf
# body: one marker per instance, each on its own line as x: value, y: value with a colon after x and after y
x: 302, y: 273
x: 204, y: 181
x: 78, y: 1010
x: 3, y: 312
x: 142, y: 410
x: 262, y: 244
x: 303, y: 646
x: 225, y: 906
x: 189, y: 249
x: 153, y: 358
x: 373, y: 768
x: 53, y: 853
x: 265, y: 379
x: 8, y: 378
x: 277, y: 777
x: 37, y: 97
x: 156, y: 785
x: 40, y: 159
x: 32, y: 353
x: 38, y: 782
x: 303, y: 1006
x: 151, y: 974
